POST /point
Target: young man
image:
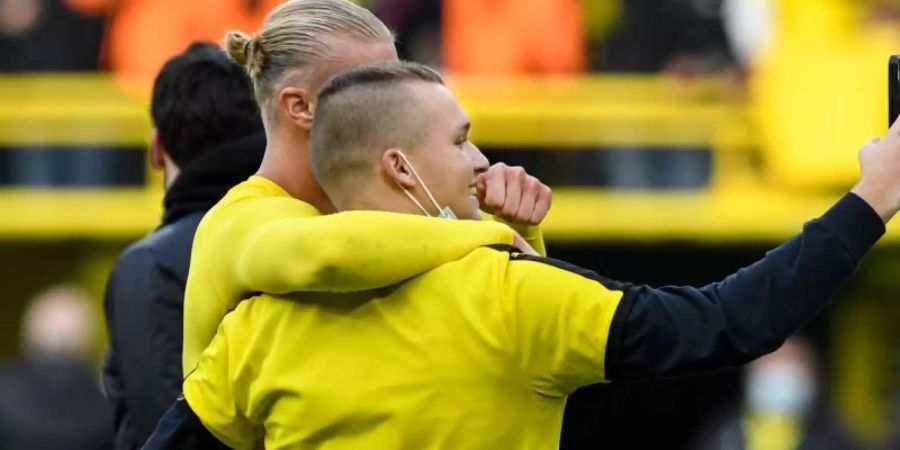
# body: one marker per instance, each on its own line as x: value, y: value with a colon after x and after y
x: 264, y: 235
x: 481, y: 352
x: 207, y: 137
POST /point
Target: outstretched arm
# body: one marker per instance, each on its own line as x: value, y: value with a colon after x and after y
x: 573, y: 327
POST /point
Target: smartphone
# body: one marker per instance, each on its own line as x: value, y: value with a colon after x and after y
x: 893, y: 89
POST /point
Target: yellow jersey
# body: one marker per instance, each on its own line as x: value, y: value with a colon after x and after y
x: 479, y: 353
x: 259, y: 238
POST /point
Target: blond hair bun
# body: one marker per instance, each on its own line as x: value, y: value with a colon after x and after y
x: 244, y: 50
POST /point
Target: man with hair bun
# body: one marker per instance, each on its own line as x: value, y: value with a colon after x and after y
x: 481, y: 352
x: 265, y: 236
x: 207, y: 137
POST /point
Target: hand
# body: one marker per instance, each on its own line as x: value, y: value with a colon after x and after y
x: 512, y: 195
x: 879, y: 184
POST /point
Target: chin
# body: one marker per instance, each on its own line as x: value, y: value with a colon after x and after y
x: 472, y: 210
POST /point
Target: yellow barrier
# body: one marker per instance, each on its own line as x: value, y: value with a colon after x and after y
x: 559, y: 113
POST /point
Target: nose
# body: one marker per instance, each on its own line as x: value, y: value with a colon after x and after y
x: 480, y: 162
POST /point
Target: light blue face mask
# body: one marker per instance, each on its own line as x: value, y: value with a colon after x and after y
x: 781, y: 389
x: 443, y: 213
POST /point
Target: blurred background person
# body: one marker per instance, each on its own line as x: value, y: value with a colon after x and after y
x: 683, y: 37
x: 417, y: 25
x: 783, y: 408
x: 49, y: 397
x: 207, y: 137
x: 506, y: 37
x: 142, y: 34
x: 44, y: 35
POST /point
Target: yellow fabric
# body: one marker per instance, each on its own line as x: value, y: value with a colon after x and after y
x: 260, y: 239
x: 479, y: 353
x: 772, y: 432
x: 533, y: 235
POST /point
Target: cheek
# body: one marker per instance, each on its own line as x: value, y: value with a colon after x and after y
x: 465, y: 164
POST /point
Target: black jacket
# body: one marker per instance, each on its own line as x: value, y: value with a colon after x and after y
x: 145, y: 293
x: 50, y: 403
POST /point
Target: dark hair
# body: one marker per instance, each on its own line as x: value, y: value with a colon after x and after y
x: 202, y: 99
x: 363, y: 112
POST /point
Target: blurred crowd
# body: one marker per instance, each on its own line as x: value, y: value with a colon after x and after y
x: 781, y: 56
x: 134, y: 37
x: 687, y: 37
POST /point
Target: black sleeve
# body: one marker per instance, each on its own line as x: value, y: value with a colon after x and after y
x: 142, y: 372
x: 167, y: 322
x: 163, y: 321
x: 113, y: 384
x: 181, y: 429
x: 675, y: 331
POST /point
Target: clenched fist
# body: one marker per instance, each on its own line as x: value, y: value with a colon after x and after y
x: 512, y: 195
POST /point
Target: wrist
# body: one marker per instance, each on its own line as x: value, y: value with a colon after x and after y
x: 525, y: 230
x: 880, y: 200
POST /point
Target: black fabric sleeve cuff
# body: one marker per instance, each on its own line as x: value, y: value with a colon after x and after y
x: 616, y: 336
x: 856, y: 223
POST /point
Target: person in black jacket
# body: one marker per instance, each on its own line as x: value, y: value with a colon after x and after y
x: 784, y: 407
x: 49, y: 397
x: 208, y: 136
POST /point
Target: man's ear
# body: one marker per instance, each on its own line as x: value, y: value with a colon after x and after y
x: 297, y: 105
x: 157, y: 152
x: 394, y: 167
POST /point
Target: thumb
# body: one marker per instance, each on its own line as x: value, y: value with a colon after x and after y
x: 895, y: 128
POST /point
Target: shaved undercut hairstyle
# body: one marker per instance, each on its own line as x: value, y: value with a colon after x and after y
x: 294, y: 39
x: 360, y: 114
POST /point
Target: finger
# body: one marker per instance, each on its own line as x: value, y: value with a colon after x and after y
x: 495, y: 185
x: 480, y: 188
x: 515, y: 176
x: 895, y: 127
x: 542, y: 205
x: 530, y: 194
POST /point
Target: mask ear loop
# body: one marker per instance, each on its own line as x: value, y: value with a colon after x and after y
x: 408, y: 194
x: 427, y: 191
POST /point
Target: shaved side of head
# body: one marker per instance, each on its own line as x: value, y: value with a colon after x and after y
x: 361, y: 113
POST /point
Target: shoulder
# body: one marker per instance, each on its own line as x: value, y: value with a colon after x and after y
x: 515, y: 263
x: 251, y: 203
x: 167, y: 248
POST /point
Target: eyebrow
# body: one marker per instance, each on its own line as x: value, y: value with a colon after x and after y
x: 464, y: 127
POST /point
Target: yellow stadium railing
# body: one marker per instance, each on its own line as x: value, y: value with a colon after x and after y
x: 562, y: 113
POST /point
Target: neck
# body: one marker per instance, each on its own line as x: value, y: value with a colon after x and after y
x: 378, y: 198
x: 170, y: 173
x: 286, y: 162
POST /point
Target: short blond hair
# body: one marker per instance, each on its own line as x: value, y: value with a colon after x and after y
x: 363, y: 112
x: 294, y: 37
